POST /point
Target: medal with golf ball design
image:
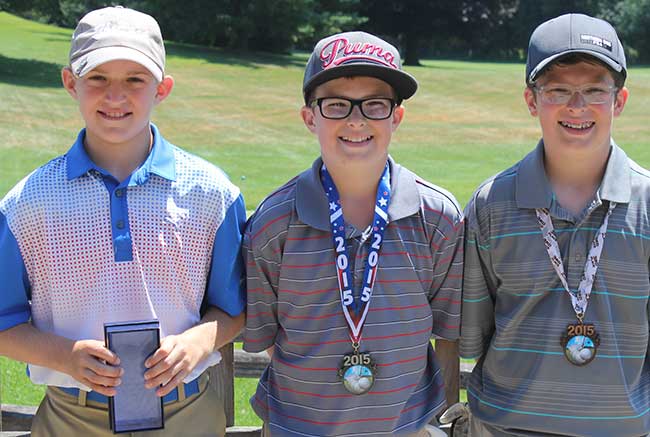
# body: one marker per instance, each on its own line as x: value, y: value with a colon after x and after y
x: 580, y: 343
x: 581, y: 340
x: 358, y: 371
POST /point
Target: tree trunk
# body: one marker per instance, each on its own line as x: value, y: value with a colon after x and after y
x: 411, y: 51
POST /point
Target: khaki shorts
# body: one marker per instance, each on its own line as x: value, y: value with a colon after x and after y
x: 64, y: 415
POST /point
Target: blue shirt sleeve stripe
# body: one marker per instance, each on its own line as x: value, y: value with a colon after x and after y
x: 14, y: 305
x: 226, y: 286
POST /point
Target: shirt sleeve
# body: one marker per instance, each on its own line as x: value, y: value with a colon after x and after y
x: 479, y: 290
x: 263, y: 261
x: 226, y: 288
x: 14, y: 304
x: 445, y: 293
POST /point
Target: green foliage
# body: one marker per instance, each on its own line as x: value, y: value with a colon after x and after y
x: 478, y: 29
x: 632, y: 21
x: 264, y: 25
x: 444, y: 27
x: 327, y: 17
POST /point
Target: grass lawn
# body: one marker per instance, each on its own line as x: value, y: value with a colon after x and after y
x: 240, y: 111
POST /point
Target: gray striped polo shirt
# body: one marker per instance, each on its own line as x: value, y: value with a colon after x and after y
x: 294, y: 305
x: 515, y: 309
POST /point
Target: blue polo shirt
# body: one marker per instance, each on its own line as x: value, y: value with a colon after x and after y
x: 80, y: 248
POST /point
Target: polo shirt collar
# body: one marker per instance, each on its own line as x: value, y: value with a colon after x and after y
x: 160, y: 160
x: 533, y: 189
x: 312, y: 204
x: 616, y: 185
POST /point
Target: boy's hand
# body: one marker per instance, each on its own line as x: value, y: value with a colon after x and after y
x: 95, y: 366
x: 171, y: 363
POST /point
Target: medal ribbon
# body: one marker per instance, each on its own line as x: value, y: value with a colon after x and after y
x: 355, y: 308
x: 579, y: 299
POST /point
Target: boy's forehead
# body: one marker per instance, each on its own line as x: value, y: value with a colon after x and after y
x: 583, y: 71
x: 354, y: 85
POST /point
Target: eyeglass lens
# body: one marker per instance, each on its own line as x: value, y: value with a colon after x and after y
x: 560, y: 95
x: 338, y: 107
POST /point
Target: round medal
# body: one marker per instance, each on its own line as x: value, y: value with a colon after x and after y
x: 358, y: 379
x: 580, y: 344
x: 357, y: 373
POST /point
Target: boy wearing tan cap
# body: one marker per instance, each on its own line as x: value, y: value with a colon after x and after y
x: 354, y: 264
x: 124, y: 227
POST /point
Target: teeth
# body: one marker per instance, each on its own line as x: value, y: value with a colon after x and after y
x: 356, y: 140
x: 584, y: 125
x: 115, y: 114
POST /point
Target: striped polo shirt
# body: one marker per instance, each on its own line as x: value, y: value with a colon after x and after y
x: 294, y: 305
x: 79, y: 248
x: 515, y: 309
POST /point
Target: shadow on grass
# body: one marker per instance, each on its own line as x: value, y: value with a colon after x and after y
x: 29, y: 72
x: 215, y: 55
x: 433, y: 63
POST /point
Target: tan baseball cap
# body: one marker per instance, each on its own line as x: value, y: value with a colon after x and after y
x: 117, y: 33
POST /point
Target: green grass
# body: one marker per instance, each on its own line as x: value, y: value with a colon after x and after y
x: 240, y: 111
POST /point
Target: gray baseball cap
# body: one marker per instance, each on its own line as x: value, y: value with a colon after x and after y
x: 114, y: 33
x: 574, y: 33
x: 357, y: 54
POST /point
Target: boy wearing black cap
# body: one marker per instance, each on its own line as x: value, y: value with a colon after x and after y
x: 555, y: 303
x: 353, y: 264
x: 123, y: 227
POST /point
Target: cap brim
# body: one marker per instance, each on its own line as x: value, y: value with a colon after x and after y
x: 404, y: 84
x: 613, y: 64
x: 85, y: 63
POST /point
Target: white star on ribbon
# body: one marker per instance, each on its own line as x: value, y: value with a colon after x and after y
x: 383, y: 202
x: 332, y: 206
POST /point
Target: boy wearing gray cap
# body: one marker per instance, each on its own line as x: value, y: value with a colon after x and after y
x: 353, y: 264
x: 124, y: 227
x: 555, y: 303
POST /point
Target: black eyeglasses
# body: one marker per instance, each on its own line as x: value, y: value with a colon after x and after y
x: 337, y: 108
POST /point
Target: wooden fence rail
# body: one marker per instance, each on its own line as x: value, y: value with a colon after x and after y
x: 16, y: 420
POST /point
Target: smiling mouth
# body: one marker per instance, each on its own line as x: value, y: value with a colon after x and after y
x: 114, y: 115
x: 579, y: 126
x: 356, y: 139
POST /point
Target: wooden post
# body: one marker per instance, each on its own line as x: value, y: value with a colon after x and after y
x: 447, y: 355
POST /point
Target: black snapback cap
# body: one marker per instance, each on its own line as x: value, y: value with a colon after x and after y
x: 357, y: 54
x: 574, y: 33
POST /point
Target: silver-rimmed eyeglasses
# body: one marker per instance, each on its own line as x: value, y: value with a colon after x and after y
x: 561, y: 94
x: 337, y: 108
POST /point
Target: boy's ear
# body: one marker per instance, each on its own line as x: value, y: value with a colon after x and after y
x: 69, y: 81
x: 531, y: 102
x: 309, y: 118
x: 620, y: 100
x: 164, y: 88
x: 398, y: 116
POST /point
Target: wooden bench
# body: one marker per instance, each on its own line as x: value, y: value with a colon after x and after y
x: 16, y: 420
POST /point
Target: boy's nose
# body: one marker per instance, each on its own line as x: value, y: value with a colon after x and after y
x: 115, y: 92
x: 577, y: 100
x: 356, y: 118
